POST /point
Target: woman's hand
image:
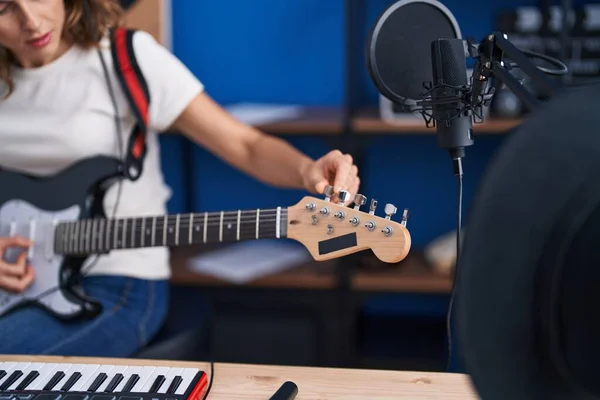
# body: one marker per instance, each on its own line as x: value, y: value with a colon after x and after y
x: 18, y: 276
x: 335, y: 169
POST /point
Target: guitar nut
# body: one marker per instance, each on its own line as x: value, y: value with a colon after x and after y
x: 354, y: 221
x: 387, y: 231
x: 371, y: 226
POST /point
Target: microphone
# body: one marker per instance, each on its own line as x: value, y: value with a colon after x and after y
x: 452, y: 117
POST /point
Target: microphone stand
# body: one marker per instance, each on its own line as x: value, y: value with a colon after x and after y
x: 489, y: 55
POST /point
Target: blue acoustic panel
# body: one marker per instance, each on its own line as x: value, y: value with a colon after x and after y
x: 218, y: 186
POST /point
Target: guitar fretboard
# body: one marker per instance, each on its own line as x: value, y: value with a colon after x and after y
x: 101, y: 235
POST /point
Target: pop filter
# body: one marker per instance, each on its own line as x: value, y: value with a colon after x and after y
x: 399, y: 47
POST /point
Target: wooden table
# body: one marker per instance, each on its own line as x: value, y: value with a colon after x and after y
x: 248, y: 382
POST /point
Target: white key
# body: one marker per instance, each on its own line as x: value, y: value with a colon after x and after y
x: 126, y: 375
x: 145, y: 374
x: 15, y: 367
x: 107, y: 369
x: 187, y: 375
x: 88, y: 373
x: 158, y: 371
x: 173, y: 372
x: 46, y: 373
x: 114, y: 371
x: 26, y: 371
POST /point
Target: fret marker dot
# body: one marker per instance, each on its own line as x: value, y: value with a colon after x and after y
x: 147, y: 231
x: 170, y: 230
x: 228, y: 226
x: 198, y: 228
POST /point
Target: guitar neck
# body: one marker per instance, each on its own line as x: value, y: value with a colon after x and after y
x: 101, y: 235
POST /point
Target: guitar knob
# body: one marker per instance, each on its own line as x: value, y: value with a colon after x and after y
x: 328, y: 192
x: 390, y: 210
x: 359, y: 200
x: 343, y: 197
x: 373, y: 207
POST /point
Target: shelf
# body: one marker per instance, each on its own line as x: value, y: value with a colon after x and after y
x: 412, y: 275
x: 313, y: 120
x: 314, y: 275
x: 368, y: 122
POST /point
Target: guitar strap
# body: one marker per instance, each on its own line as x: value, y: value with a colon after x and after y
x: 136, y: 90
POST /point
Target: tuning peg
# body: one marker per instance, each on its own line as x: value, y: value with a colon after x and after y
x: 404, y: 217
x: 373, y: 207
x: 343, y: 197
x: 328, y: 192
x: 390, y: 210
x: 359, y: 200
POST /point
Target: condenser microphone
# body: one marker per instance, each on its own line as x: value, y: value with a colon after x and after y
x: 453, y: 119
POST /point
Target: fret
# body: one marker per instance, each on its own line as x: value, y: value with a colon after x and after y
x: 221, y: 227
x: 88, y: 236
x: 93, y: 239
x: 143, y: 233
x: 132, y: 244
x: 229, y: 227
x: 205, y: 227
x: 278, y: 223
x: 237, y: 234
x: 177, y: 230
x: 75, y: 238
x: 115, y: 233
x: 123, y: 240
x: 164, y: 230
x: 190, y: 228
x: 153, y: 242
x: 257, y: 223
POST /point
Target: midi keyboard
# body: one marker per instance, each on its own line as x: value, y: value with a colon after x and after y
x: 64, y: 381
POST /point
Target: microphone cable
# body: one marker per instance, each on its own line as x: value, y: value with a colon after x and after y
x: 458, y: 172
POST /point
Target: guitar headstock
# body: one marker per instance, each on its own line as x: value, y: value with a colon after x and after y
x: 331, y: 230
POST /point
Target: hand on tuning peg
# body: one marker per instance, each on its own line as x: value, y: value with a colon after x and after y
x: 333, y: 169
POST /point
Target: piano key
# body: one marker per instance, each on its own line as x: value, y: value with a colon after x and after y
x: 86, y: 377
x: 27, y: 374
x: 187, y: 375
x: 145, y: 374
x: 10, y: 368
x: 102, y: 374
x: 114, y: 382
x: 51, y: 384
x: 158, y: 371
x: 46, y: 373
x: 129, y: 374
x: 29, y: 378
x: 73, y: 379
x: 131, y: 382
x: 173, y: 380
x: 115, y: 377
x: 12, y: 378
x: 100, y: 378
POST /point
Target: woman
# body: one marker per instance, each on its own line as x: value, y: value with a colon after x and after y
x: 57, y: 109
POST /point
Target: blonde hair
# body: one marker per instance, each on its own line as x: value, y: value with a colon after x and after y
x: 84, y: 27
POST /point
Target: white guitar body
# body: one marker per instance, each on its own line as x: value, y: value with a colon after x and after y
x: 19, y: 218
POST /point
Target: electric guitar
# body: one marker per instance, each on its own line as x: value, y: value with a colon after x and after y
x: 64, y: 217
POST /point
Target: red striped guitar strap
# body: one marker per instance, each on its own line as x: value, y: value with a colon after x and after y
x: 136, y: 90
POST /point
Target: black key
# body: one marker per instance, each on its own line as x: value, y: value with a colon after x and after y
x: 157, y: 384
x: 28, y: 379
x: 11, y: 379
x: 97, y: 382
x: 131, y: 383
x: 72, y: 380
x: 55, y: 379
x: 114, y: 382
x: 2, y: 373
x: 175, y: 384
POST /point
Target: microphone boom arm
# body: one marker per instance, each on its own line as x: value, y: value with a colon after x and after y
x: 490, y: 54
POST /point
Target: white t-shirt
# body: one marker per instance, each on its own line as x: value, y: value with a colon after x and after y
x: 62, y: 112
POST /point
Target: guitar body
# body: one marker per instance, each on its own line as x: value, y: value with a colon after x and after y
x: 31, y: 206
